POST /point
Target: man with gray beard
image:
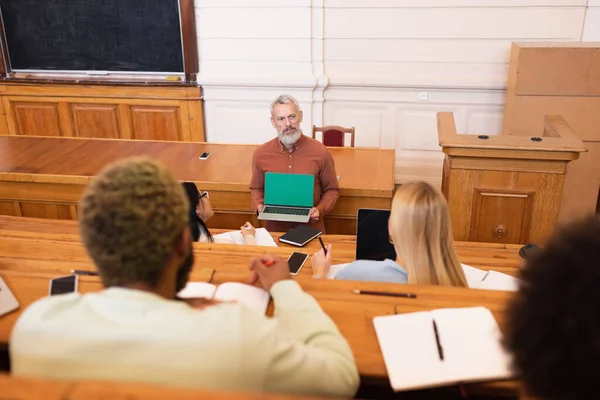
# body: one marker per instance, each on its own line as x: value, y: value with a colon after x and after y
x: 292, y: 152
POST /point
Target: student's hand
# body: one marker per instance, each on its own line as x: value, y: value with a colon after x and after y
x: 314, y: 214
x: 259, y: 208
x: 268, y: 270
x: 321, y: 263
x: 204, y: 210
x: 248, y: 230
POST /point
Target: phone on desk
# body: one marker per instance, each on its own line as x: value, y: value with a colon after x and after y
x: 296, y: 261
x: 62, y: 285
x: 204, y: 155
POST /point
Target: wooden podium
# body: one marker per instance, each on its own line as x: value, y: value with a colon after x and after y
x: 505, y: 189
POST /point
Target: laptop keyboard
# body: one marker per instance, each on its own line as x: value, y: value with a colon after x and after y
x: 285, y: 210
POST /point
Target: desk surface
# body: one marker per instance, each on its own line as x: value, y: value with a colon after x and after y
x: 75, y: 160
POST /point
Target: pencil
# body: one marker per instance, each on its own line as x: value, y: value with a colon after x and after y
x: 323, y: 245
x: 392, y: 294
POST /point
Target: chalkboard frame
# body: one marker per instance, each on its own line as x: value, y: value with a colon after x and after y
x: 190, y: 53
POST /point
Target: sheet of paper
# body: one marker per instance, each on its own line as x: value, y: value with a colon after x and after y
x: 197, y: 289
x: 263, y: 237
x: 333, y: 271
x: 495, y: 280
x: 252, y: 297
x: 473, y: 275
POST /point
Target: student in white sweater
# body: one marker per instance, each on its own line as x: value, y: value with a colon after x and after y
x: 134, y: 224
x: 421, y: 233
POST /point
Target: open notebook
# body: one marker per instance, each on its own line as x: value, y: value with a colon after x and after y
x: 469, y: 338
x: 491, y: 280
x: 263, y: 237
x: 252, y: 297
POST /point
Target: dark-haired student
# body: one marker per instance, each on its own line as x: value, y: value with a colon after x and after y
x: 201, y: 210
x: 553, y: 321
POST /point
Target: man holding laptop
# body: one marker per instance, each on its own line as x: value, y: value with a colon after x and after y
x: 295, y: 155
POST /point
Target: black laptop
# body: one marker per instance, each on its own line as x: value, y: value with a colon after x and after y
x: 372, y: 235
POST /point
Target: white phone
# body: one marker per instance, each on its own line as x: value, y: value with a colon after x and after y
x: 296, y: 261
x: 62, y: 285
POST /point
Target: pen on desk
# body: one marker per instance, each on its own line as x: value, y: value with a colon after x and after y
x: 82, y: 272
x: 323, y: 245
x: 204, y: 194
x: 375, y: 293
x: 437, y: 341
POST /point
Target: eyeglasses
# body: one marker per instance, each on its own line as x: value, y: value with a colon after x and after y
x: 291, y: 117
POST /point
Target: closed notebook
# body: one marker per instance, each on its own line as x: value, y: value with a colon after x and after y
x: 263, y: 237
x: 469, y: 337
x: 250, y: 296
x: 300, y: 235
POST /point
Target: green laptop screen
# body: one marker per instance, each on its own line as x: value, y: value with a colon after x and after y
x: 295, y: 190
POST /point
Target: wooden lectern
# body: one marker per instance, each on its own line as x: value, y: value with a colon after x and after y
x: 505, y: 189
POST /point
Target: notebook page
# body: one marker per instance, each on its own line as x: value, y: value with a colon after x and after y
x: 252, y: 297
x: 473, y: 275
x: 263, y: 237
x: 335, y: 269
x: 499, y: 281
x: 197, y: 289
x: 408, y: 345
x: 471, y: 341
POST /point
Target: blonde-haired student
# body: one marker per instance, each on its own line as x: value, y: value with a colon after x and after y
x: 421, y: 233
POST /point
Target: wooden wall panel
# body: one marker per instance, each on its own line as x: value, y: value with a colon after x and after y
x: 561, y: 79
x: 156, y: 123
x: 95, y: 120
x: 10, y: 208
x: 37, y: 118
x: 53, y: 211
x: 122, y: 112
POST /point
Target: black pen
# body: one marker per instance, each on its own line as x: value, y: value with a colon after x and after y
x: 375, y: 293
x: 437, y: 341
x: 323, y: 245
x: 82, y: 272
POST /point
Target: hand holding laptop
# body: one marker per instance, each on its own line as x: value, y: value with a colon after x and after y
x: 314, y: 214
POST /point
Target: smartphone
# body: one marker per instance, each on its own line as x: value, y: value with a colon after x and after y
x: 62, y: 285
x: 204, y: 155
x: 296, y: 261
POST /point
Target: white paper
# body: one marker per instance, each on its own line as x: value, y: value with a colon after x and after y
x: 495, y: 280
x: 470, y: 339
x: 335, y: 269
x: 197, y: 289
x: 263, y: 237
x: 252, y: 297
x: 473, y: 275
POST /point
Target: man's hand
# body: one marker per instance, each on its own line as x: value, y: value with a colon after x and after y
x: 314, y: 214
x: 259, y: 208
x: 268, y: 270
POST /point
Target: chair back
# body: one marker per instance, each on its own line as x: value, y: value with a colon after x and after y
x: 334, y: 135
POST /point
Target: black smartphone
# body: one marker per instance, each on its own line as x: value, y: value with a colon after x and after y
x: 204, y: 155
x: 62, y: 285
x: 296, y: 261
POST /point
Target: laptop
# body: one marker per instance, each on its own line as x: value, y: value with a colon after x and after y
x: 288, y: 197
x: 372, y: 235
x: 8, y: 302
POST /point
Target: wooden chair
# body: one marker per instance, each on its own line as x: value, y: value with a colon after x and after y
x: 334, y: 135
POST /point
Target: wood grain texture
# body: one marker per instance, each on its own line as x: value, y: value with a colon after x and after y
x: 504, y: 167
x: 37, y: 118
x: 10, y: 208
x: 20, y: 388
x: 95, y: 120
x: 30, y: 108
x: 29, y: 171
x: 559, y: 78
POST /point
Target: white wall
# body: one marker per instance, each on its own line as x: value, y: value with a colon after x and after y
x: 384, y: 66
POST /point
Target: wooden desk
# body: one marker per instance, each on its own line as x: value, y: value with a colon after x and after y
x: 352, y: 313
x: 44, y: 389
x: 17, y: 234
x: 44, y: 177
